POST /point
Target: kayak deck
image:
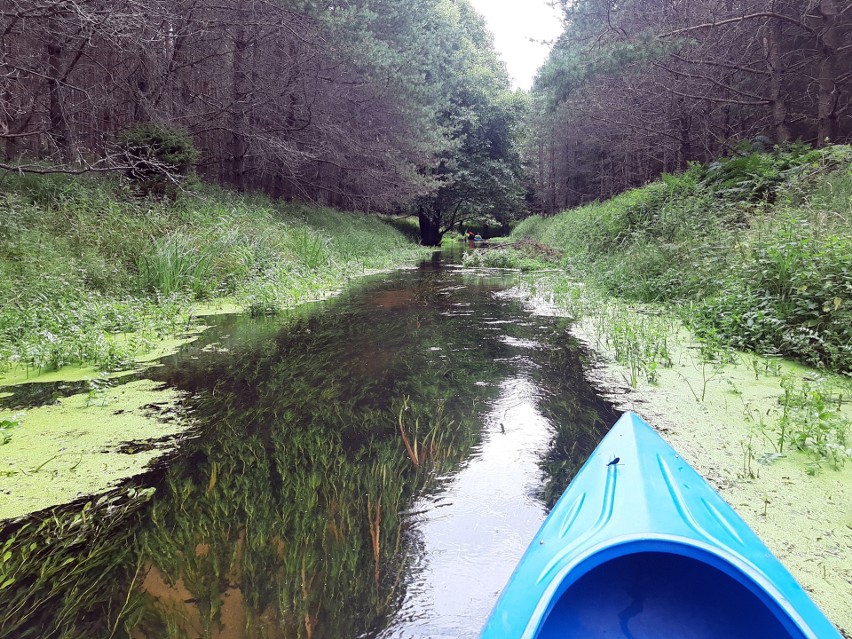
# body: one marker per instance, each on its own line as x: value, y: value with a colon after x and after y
x: 641, y: 547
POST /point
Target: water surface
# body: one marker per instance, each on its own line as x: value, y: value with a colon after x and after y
x: 370, y: 466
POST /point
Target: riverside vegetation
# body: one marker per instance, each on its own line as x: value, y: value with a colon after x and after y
x: 756, y: 250
x: 90, y: 274
x: 752, y: 253
x: 290, y: 517
x: 723, y: 298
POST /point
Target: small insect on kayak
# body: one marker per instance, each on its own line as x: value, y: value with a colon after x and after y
x: 640, y: 546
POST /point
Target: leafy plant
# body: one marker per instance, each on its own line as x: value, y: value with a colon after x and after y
x: 810, y: 422
x: 98, y: 387
x: 756, y: 248
x: 6, y: 428
x: 91, y: 275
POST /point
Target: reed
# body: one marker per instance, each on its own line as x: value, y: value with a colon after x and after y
x: 80, y: 253
x: 176, y: 264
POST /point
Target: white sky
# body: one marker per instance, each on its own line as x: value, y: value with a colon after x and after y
x: 513, y: 23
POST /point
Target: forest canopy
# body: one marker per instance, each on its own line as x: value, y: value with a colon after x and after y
x: 372, y: 105
x: 404, y: 107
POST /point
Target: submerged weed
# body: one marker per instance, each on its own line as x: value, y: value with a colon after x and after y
x: 59, y: 571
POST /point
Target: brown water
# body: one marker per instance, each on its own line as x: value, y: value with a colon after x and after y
x: 371, y: 466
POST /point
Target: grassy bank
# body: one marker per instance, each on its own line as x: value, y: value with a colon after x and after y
x: 90, y: 274
x: 752, y: 254
x: 755, y: 251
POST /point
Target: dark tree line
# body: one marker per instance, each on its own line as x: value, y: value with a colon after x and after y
x: 636, y: 88
x: 356, y: 104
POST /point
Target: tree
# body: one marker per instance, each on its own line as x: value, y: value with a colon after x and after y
x: 479, y: 171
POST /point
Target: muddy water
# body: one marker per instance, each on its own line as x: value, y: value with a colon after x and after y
x: 371, y: 466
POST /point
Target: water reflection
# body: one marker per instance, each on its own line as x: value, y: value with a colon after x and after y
x: 369, y: 466
x: 470, y: 534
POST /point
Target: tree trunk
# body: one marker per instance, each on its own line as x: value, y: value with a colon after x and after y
x: 238, y: 111
x: 828, y: 71
x: 551, y: 208
x: 684, y: 152
x: 58, y: 124
x: 777, y: 99
x: 140, y: 87
x: 430, y: 231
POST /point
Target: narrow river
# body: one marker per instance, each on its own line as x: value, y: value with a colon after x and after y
x: 369, y: 466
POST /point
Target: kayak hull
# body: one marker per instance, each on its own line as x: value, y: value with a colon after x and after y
x: 640, y: 546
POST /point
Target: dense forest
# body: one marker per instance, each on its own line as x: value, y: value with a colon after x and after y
x: 634, y: 89
x: 403, y: 106
x: 394, y: 106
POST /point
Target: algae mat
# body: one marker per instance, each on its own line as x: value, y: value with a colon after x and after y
x: 85, y: 444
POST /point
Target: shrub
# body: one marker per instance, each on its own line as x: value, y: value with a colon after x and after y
x: 159, y: 157
x: 793, y: 296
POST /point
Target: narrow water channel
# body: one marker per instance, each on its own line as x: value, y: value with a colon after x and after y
x: 369, y: 466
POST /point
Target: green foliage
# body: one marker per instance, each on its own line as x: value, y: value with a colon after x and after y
x: 7, y: 426
x: 82, y: 261
x: 406, y: 225
x: 526, y: 256
x: 174, y: 264
x: 758, y: 245
x: 478, y: 172
x: 792, y: 297
x: 489, y: 259
x: 811, y: 421
x: 757, y: 176
x: 158, y: 156
x: 60, y: 571
x: 107, y: 333
x: 572, y: 63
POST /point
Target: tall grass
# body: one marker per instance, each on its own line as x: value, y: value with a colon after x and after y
x: 74, y: 251
x: 174, y: 263
x: 756, y: 250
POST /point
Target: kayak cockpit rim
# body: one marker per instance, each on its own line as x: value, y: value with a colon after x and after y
x: 712, y: 557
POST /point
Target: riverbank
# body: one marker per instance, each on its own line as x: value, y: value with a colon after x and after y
x: 96, y: 284
x: 725, y: 412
